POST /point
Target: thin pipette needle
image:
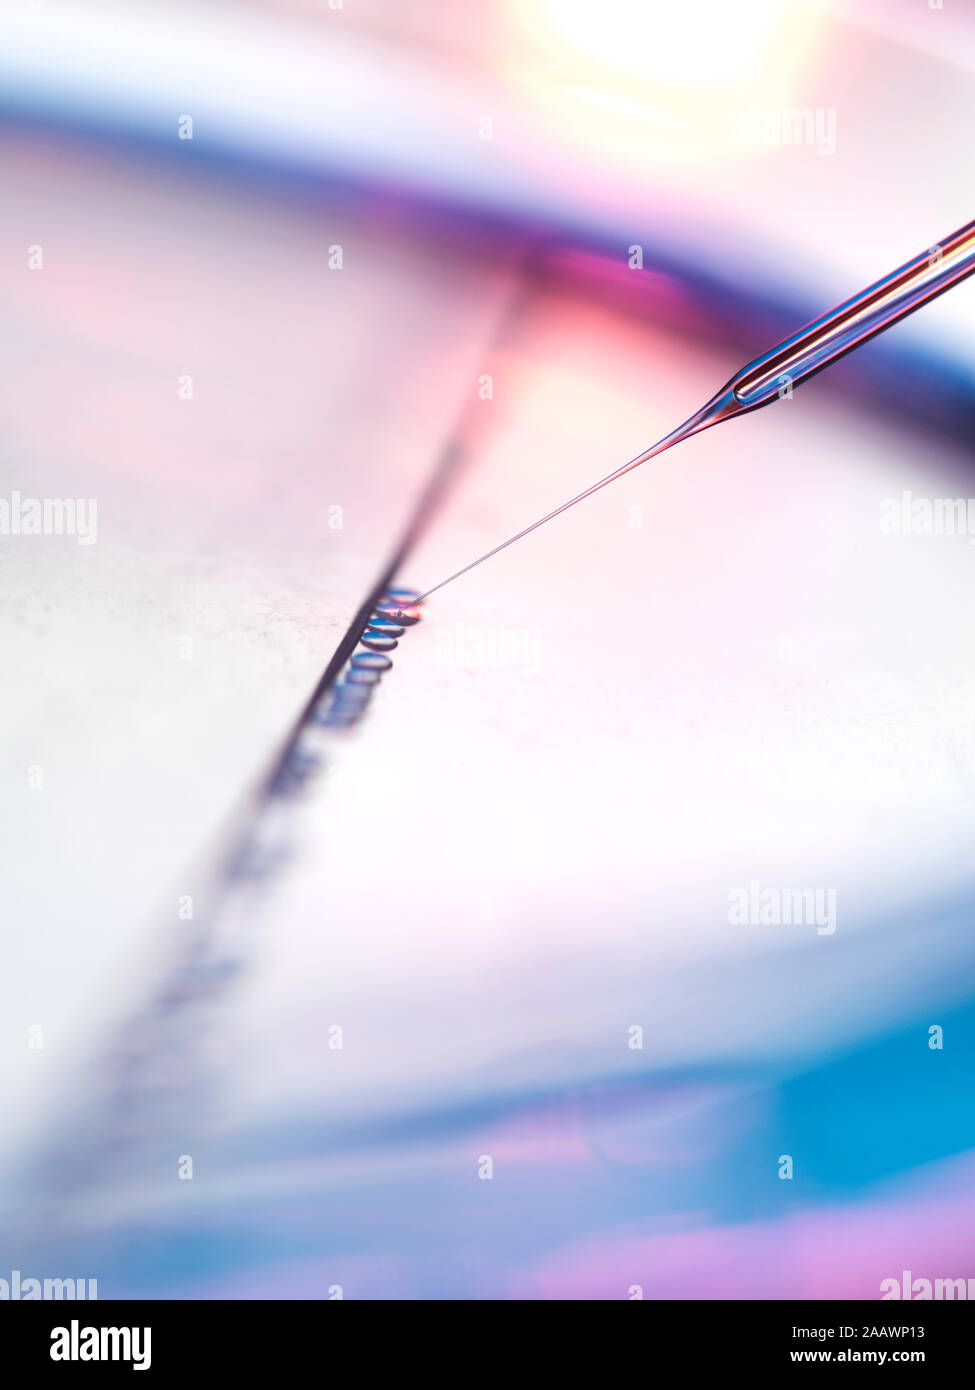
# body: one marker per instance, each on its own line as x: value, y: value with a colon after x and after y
x: 797, y: 358
x: 657, y: 448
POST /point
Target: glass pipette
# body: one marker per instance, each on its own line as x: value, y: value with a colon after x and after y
x: 799, y: 357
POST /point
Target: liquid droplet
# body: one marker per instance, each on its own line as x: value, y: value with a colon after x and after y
x: 343, y: 709
x: 341, y: 717
x: 391, y: 612
x: 370, y: 661
x: 387, y: 629
x: 403, y: 597
x: 357, y: 695
x: 378, y: 641
x: 360, y: 675
x: 297, y: 768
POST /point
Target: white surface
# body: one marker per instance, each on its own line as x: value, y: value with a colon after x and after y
x: 213, y: 525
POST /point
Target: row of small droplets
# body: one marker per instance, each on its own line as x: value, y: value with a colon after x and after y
x: 349, y: 698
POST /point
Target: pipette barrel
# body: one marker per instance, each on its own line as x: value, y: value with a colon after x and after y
x: 848, y: 325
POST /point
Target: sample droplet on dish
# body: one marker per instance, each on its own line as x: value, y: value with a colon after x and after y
x: 352, y: 694
x: 341, y: 717
x: 370, y: 661
x: 392, y: 612
x: 378, y: 641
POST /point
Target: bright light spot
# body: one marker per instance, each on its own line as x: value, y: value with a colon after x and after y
x: 683, y: 41
x: 624, y: 106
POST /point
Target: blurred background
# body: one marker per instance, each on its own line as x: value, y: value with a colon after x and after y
x: 451, y: 1004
